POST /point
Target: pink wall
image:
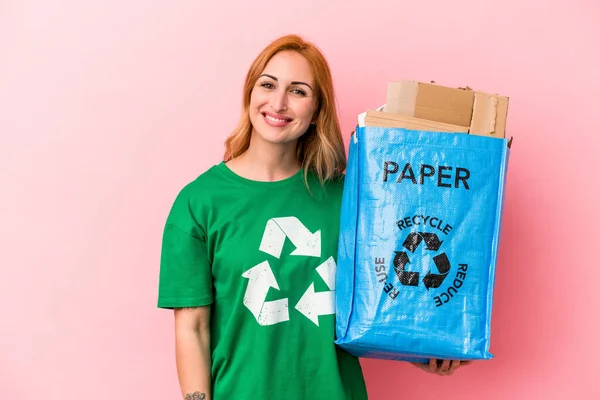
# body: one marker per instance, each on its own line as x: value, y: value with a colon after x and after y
x: 108, y: 107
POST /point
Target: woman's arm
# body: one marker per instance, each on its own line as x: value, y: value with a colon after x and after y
x: 192, y: 352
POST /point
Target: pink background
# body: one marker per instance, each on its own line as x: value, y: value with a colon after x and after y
x: 108, y: 107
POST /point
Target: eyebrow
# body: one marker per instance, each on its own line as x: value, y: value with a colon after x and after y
x: 293, y: 83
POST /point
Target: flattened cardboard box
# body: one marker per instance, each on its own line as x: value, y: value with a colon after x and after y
x: 481, y: 113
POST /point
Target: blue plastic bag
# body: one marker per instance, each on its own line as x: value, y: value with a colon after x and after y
x: 420, y: 225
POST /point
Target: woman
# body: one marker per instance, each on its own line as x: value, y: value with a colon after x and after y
x: 249, y: 247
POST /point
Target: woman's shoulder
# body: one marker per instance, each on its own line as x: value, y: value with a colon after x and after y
x: 193, y: 198
x: 201, y: 186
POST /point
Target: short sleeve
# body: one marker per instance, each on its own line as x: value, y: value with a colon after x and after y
x: 185, y: 274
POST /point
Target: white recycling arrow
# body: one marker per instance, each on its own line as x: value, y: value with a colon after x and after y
x: 312, y: 304
x: 261, y: 279
x: 327, y: 272
x: 277, y: 229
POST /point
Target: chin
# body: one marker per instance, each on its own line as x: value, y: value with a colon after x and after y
x: 278, y: 139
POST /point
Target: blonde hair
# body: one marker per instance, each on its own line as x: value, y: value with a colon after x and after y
x: 321, y: 148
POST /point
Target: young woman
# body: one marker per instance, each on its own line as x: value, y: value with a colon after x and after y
x: 249, y: 247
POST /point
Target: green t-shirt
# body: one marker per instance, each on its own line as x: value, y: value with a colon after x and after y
x: 263, y: 254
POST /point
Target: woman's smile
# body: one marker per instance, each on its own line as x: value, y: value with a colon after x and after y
x: 276, y: 120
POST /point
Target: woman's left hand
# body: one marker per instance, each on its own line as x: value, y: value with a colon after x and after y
x: 445, y: 368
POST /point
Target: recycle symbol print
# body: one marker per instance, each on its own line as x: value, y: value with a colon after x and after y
x: 261, y: 278
x: 401, y: 260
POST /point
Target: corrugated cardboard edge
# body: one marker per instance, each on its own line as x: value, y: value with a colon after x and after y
x: 390, y: 120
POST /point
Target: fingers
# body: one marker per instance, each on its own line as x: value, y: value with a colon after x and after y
x: 454, y: 366
x: 433, y: 366
x: 441, y: 367
x: 448, y: 367
x: 445, y: 367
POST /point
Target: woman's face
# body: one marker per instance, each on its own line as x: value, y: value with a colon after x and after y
x: 283, y: 102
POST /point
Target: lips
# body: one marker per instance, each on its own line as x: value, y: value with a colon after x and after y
x: 276, y: 119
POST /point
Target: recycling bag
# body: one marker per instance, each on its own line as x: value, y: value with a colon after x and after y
x: 420, y: 226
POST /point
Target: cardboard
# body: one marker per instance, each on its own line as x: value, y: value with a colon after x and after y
x: 389, y: 120
x: 401, y: 98
x: 481, y: 113
x: 430, y: 101
x: 489, y: 115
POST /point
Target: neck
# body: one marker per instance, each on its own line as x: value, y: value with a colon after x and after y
x: 267, y: 162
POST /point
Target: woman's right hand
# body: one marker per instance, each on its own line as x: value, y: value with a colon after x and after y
x: 441, y: 367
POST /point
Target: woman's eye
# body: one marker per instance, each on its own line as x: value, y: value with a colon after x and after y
x: 299, y: 92
x: 267, y: 85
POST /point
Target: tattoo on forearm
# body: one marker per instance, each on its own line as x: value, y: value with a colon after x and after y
x: 195, y: 396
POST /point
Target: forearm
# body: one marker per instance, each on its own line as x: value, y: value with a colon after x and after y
x: 194, y: 363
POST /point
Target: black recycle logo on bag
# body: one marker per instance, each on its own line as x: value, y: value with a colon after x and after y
x: 441, y: 287
x: 411, y: 278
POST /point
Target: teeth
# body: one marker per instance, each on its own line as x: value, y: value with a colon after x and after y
x: 275, y: 119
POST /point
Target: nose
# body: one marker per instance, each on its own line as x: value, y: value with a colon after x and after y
x: 279, y: 100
